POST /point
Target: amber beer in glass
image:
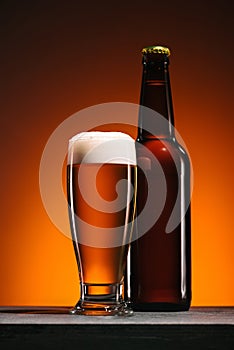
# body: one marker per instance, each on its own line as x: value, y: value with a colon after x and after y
x: 160, y: 258
x: 101, y: 176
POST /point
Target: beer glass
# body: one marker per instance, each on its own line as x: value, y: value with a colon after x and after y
x: 101, y: 178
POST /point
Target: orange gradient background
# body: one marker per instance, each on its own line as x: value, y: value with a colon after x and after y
x: 60, y: 57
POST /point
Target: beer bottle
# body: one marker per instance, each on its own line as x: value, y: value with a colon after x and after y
x: 160, y: 257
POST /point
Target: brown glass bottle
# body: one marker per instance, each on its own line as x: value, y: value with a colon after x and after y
x: 160, y: 259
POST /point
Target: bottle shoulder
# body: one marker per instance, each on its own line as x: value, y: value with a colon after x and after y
x: 164, y: 150
x: 162, y: 144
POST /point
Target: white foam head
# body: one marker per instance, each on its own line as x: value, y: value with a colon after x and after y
x: 102, y: 147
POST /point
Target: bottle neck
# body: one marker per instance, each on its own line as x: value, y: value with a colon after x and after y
x: 156, y: 95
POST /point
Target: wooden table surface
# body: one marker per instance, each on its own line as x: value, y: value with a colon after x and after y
x: 48, y: 328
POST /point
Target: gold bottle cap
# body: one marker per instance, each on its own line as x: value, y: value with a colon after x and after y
x: 156, y: 49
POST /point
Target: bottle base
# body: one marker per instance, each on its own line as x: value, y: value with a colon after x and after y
x: 161, y: 307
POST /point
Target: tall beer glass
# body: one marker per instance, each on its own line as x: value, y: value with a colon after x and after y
x: 101, y: 177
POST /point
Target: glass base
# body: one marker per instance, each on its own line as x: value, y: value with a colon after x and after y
x: 88, y: 309
x: 101, y: 300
